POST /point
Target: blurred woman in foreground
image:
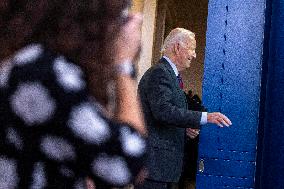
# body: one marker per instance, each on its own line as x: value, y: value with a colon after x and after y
x: 57, y: 57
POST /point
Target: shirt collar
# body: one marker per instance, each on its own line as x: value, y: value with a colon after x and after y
x: 172, y: 65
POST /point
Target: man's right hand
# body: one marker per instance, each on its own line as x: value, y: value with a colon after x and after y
x: 219, y: 119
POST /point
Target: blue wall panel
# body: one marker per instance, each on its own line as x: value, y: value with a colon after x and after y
x: 232, y: 78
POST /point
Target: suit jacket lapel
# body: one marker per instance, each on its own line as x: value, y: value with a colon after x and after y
x: 168, y: 67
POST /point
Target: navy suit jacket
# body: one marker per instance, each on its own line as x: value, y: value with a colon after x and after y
x: 166, y: 114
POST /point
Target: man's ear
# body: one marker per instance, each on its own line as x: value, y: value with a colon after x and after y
x: 176, y: 48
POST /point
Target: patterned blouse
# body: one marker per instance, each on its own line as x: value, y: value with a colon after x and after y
x: 52, y: 133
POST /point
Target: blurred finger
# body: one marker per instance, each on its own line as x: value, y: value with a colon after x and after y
x: 220, y: 125
x: 225, y: 123
x: 227, y: 120
x: 192, y: 133
x: 192, y: 136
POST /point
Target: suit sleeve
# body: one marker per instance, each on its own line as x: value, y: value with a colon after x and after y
x: 160, y: 97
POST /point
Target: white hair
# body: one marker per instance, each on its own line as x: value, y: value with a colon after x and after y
x: 177, y: 35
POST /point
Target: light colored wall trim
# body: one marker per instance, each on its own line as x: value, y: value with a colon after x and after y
x: 159, y: 30
x: 148, y: 30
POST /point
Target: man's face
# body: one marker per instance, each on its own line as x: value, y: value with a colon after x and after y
x: 186, y: 54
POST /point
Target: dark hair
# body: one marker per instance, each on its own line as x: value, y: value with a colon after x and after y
x: 78, y: 29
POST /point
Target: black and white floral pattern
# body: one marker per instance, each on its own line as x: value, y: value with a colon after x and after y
x: 32, y: 103
x: 68, y: 75
x: 8, y: 173
x: 54, y: 135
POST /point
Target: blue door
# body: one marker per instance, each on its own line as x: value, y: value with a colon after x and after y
x: 232, y: 85
x: 270, y: 164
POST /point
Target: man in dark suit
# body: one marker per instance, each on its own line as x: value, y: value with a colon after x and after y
x: 166, y: 113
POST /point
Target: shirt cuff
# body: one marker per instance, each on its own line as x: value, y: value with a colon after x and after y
x: 203, y: 120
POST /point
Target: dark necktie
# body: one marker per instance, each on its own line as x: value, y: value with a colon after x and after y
x: 180, y: 82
